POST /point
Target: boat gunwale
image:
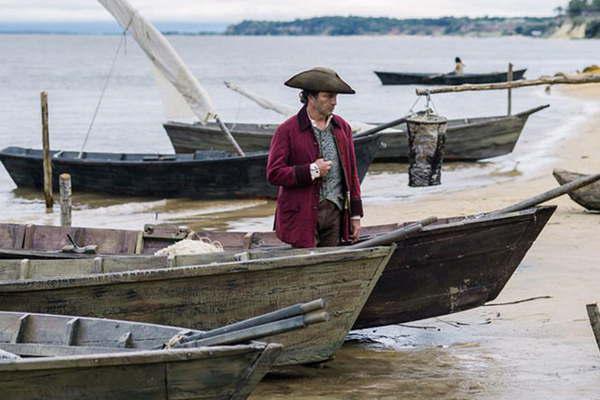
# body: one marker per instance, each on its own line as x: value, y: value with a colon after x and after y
x: 6, y: 153
x: 390, y: 131
x: 134, y: 357
x: 188, y: 271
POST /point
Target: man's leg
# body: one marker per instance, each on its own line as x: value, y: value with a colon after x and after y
x: 328, y: 225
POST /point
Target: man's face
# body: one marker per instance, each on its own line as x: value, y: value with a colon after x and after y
x: 324, y: 102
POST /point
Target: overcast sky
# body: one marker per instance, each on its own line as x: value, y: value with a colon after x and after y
x: 237, y: 10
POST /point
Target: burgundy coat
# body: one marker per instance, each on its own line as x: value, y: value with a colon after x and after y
x: 293, y: 149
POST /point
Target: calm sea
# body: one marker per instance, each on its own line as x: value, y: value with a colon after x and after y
x: 73, y: 70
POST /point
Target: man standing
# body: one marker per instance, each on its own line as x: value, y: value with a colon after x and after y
x: 312, y: 161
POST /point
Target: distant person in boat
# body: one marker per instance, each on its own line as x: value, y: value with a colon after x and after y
x: 459, y: 67
x: 312, y: 161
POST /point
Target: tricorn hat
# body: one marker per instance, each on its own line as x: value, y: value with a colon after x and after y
x: 320, y: 79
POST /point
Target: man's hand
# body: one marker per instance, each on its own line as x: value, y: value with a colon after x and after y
x: 355, y: 234
x: 324, y: 166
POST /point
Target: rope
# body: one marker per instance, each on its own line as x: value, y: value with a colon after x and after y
x: 110, y: 72
x: 411, y: 109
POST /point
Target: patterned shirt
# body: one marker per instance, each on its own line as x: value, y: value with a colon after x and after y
x: 331, y: 187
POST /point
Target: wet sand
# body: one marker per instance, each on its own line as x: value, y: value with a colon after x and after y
x: 536, y: 350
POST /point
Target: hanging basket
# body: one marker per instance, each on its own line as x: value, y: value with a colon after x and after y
x: 426, y: 139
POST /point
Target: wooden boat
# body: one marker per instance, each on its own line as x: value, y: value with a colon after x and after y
x: 410, y: 78
x: 467, y: 139
x: 202, y: 175
x: 452, y: 265
x: 210, y: 295
x: 76, y: 358
x: 587, y: 197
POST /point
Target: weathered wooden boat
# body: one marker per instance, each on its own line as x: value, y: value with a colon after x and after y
x: 467, y: 139
x: 202, y: 175
x: 210, y: 295
x: 587, y: 197
x: 410, y: 78
x: 452, y: 265
x: 76, y: 358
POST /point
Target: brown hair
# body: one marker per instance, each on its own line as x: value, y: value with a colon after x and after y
x: 305, y: 93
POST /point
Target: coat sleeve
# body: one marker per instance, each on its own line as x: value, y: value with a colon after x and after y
x: 279, y: 170
x: 356, y: 208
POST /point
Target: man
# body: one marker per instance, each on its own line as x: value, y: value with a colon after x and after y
x: 459, y: 67
x: 312, y: 161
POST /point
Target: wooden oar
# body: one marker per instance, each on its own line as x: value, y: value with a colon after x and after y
x: 287, y: 312
x: 395, y: 235
x: 260, y: 331
x: 549, y: 195
x: 381, y: 127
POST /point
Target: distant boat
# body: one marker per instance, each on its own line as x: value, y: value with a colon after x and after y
x: 409, y: 78
x: 587, y: 197
x: 201, y: 175
x: 467, y: 139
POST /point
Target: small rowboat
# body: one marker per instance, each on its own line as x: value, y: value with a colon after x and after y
x: 467, y: 139
x: 206, y: 295
x: 75, y: 358
x: 587, y: 197
x: 202, y: 175
x: 409, y: 78
x: 451, y: 265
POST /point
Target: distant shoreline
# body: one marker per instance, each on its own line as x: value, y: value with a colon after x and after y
x: 536, y: 27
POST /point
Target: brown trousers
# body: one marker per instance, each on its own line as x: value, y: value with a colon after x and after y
x: 328, y: 229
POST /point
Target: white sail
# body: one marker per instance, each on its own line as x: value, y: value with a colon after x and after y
x: 163, y: 56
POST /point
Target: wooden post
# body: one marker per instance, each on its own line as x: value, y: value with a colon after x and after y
x: 65, y: 199
x: 559, y: 79
x: 509, y: 80
x: 46, y: 153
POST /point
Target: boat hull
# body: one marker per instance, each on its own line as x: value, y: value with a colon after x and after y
x: 453, y: 267
x: 588, y: 197
x: 212, y: 295
x: 469, y: 139
x: 399, y: 78
x: 182, y: 176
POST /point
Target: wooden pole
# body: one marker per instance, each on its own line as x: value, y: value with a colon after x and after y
x: 594, y: 315
x: 65, y: 199
x: 230, y: 137
x: 509, y: 79
x: 549, y: 195
x: 47, y: 163
x: 561, y: 79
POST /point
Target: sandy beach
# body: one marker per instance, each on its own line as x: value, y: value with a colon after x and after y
x: 538, y: 349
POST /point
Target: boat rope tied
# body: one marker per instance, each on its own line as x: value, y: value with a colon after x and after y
x: 110, y: 73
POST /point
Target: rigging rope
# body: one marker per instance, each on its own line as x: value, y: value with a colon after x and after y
x: 110, y: 72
